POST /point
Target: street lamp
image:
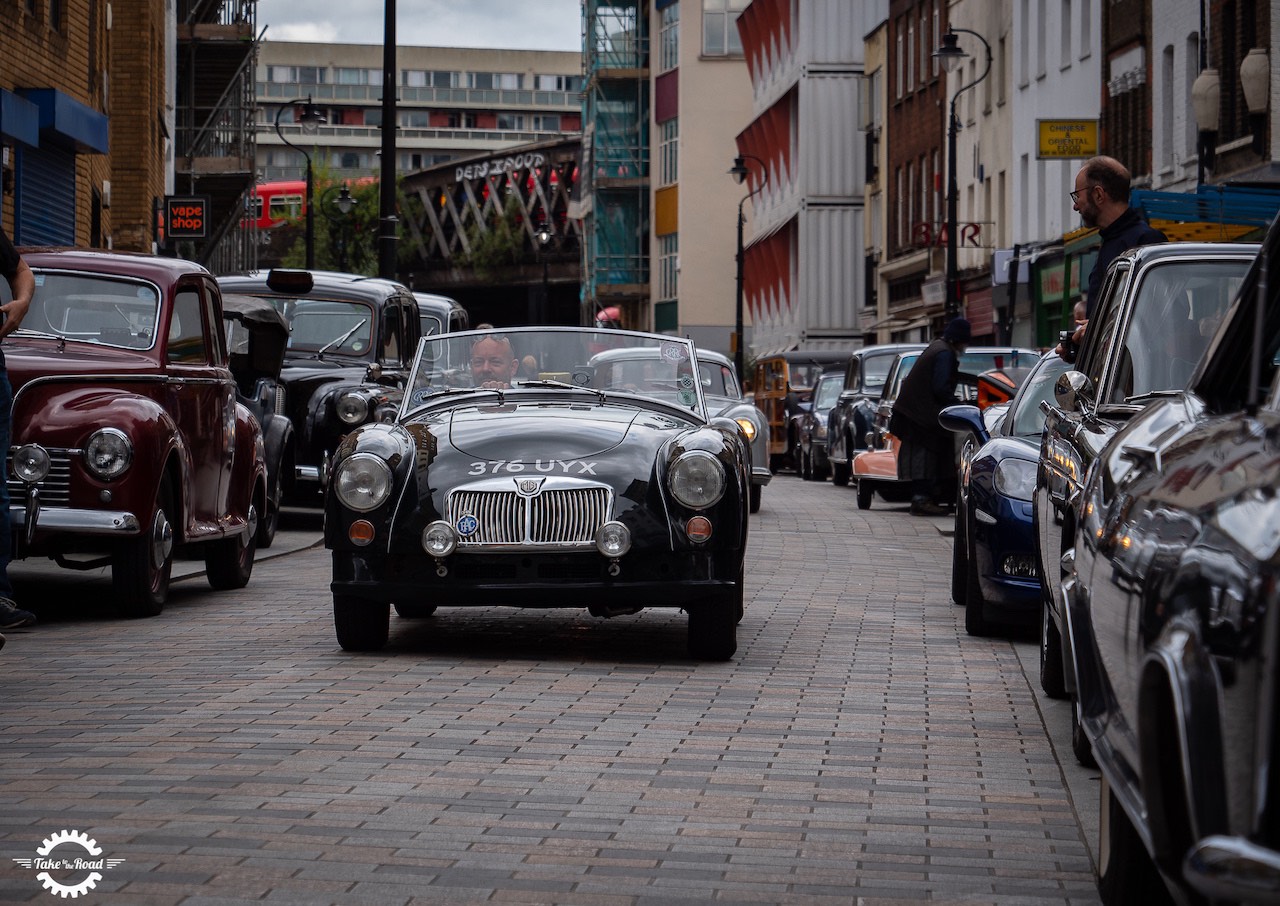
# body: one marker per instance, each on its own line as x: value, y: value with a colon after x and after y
x: 740, y: 172
x: 950, y: 56
x: 338, y: 205
x: 544, y: 237
x: 310, y: 121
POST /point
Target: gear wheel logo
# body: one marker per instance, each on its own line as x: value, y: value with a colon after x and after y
x: 69, y: 861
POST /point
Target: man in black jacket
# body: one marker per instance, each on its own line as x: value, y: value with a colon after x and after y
x: 1102, y: 198
x: 927, y: 456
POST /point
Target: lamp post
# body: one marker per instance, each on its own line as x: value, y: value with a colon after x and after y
x: 309, y: 121
x: 544, y: 237
x: 950, y: 56
x: 740, y: 172
x: 338, y: 205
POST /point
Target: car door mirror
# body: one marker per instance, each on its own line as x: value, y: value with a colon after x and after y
x: 964, y: 419
x: 1073, y: 391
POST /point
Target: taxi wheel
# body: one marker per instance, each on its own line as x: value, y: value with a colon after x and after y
x: 140, y: 570
x: 359, y: 624
x: 1126, y: 873
x: 840, y: 473
x: 865, y: 493
x: 1052, y: 676
x: 414, y: 611
x: 713, y: 626
x: 228, y: 563
x: 269, y: 522
x: 756, y: 491
x: 1080, y: 745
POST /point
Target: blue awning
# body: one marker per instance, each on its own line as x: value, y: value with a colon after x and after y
x: 19, y: 119
x: 67, y: 122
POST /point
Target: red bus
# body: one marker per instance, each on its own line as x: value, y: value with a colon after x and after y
x: 275, y: 202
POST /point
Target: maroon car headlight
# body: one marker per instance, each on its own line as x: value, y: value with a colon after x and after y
x: 31, y: 463
x: 108, y: 453
x: 697, y: 479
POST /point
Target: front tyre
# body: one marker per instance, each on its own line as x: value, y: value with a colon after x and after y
x: 865, y: 492
x: 840, y: 472
x: 975, y: 622
x: 140, y: 570
x: 1126, y: 873
x: 360, y: 625
x: 228, y: 563
x: 1052, y: 676
x: 755, y: 494
x: 713, y: 626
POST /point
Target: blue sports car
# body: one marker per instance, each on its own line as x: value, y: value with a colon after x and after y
x: 994, y: 573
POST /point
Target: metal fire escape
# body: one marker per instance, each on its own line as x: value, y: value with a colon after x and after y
x: 615, y: 151
x: 215, y: 145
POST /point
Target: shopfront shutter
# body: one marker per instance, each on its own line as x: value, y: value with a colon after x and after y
x: 45, y: 201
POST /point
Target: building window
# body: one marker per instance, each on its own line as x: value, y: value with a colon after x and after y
x: 909, y: 57
x: 669, y: 38
x: 1065, y: 31
x: 900, y: 81
x: 511, y: 121
x: 546, y: 122
x: 668, y: 152
x: 302, y: 75
x: 668, y: 263
x: 491, y: 80
x: 557, y: 82
x: 347, y: 76
x: 720, y: 27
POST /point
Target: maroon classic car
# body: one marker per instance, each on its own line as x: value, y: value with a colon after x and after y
x: 128, y: 444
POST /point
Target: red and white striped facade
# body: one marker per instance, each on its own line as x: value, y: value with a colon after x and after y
x: 803, y: 270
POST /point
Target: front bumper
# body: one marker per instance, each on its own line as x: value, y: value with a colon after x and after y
x: 760, y: 475
x: 74, y: 521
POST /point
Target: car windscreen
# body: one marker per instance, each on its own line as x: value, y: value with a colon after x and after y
x: 544, y: 359
x: 804, y: 375
x: 717, y: 380
x: 828, y: 392
x: 1028, y: 419
x: 875, y: 370
x: 431, y: 325
x: 328, y: 326
x: 93, y: 308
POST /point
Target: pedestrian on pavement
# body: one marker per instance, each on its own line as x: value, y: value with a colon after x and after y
x: 926, y: 458
x: 22, y: 285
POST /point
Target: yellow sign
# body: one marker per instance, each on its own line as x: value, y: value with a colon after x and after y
x: 1067, y: 138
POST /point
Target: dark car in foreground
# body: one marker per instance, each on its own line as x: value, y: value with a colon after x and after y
x: 1149, y: 326
x: 128, y: 446
x: 994, y: 573
x: 852, y: 418
x: 597, y: 480
x: 351, y: 342
x: 1173, y: 608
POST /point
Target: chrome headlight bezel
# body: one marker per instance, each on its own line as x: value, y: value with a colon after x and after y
x: 1015, y: 478
x: 613, y: 539
x: 697, y: 479
x: 748, y: 428
x: 351, y: 407
x: 362, y: 482
x: 31, y: 463
x: 108, y: 453
x: 439, y: 539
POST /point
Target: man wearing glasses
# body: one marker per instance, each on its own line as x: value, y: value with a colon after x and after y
x: 493, y: 362
x: 1102, y: 198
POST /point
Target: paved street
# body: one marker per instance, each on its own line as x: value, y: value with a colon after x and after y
x: 860, y: 748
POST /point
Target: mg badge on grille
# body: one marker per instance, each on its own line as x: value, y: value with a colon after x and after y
x: 467, y: 525
x: 529, y: 487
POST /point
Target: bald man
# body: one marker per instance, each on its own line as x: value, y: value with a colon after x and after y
x: 1101, y: 197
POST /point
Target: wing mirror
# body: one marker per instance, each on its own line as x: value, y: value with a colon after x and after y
x: 964, y: 419
x: 1073, y: 391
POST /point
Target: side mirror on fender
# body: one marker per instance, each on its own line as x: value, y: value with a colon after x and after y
x: 1073, y: 391
x: 964, y: 419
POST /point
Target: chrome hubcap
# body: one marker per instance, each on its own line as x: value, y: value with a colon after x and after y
x: 161, y: 539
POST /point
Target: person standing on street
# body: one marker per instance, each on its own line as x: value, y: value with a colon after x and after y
x: 22, y: 285
x: 927, y: 456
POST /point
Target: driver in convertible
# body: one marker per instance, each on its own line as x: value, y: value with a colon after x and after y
x: 493, y: 362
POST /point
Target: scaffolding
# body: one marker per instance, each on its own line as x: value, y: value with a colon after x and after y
x: 614, y: 186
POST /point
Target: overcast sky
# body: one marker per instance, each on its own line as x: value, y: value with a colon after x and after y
x: 503, y: 24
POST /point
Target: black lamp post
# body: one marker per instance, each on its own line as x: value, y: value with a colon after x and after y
x: 310, y: 121
x: 950, y: 56
x: 338, y: 205
x: 740, y: 172
x: 544, y: 237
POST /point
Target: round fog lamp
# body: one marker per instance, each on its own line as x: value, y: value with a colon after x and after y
x: 439, y: 539
x: 31, y: 463
x: 360, y: 532
x: 613, y: 539
x: 699, y: 529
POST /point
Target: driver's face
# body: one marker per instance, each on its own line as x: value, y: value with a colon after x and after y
x: 492, y: 361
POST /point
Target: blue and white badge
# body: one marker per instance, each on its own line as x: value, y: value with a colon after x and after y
x: 467, y: 525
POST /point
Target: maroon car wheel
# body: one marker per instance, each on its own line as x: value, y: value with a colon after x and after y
x: 140, y: 570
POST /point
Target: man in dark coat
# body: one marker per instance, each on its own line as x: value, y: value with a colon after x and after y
x: 927, y: 456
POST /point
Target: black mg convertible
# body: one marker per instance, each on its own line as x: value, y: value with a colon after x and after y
x: 543, y: 467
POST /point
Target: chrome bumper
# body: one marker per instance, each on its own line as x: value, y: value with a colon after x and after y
x: 1233, y: 868
x: 84, y: 522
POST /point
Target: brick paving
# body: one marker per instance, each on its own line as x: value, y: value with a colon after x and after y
x: 859, y: 749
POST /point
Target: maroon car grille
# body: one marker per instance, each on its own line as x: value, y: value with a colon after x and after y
x: 55, y: 490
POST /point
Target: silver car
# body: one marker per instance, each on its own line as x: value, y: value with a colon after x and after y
x: 723, y: 393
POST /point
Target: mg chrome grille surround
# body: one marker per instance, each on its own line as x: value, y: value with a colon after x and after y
x: 530, y: 513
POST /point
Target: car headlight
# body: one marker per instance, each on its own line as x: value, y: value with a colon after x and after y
x: 748, y: 428
x: 108, y: 453
x: 439, y: 539
x: 697, y: 479
x: 31, y: 463
x: 1016, y: 478
x: 820, y: 431
x: 363, y: 482
x: 352, y: 407
x: 613, y: 539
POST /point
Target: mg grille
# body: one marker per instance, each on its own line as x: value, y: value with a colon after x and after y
x: 554, y: 517
x: 55, y: 490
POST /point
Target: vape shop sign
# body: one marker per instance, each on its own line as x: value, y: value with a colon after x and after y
x: 186, y: 216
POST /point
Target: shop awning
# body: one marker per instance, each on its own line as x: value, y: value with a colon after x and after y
x: 19, y: 119
x: 67, y: 122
